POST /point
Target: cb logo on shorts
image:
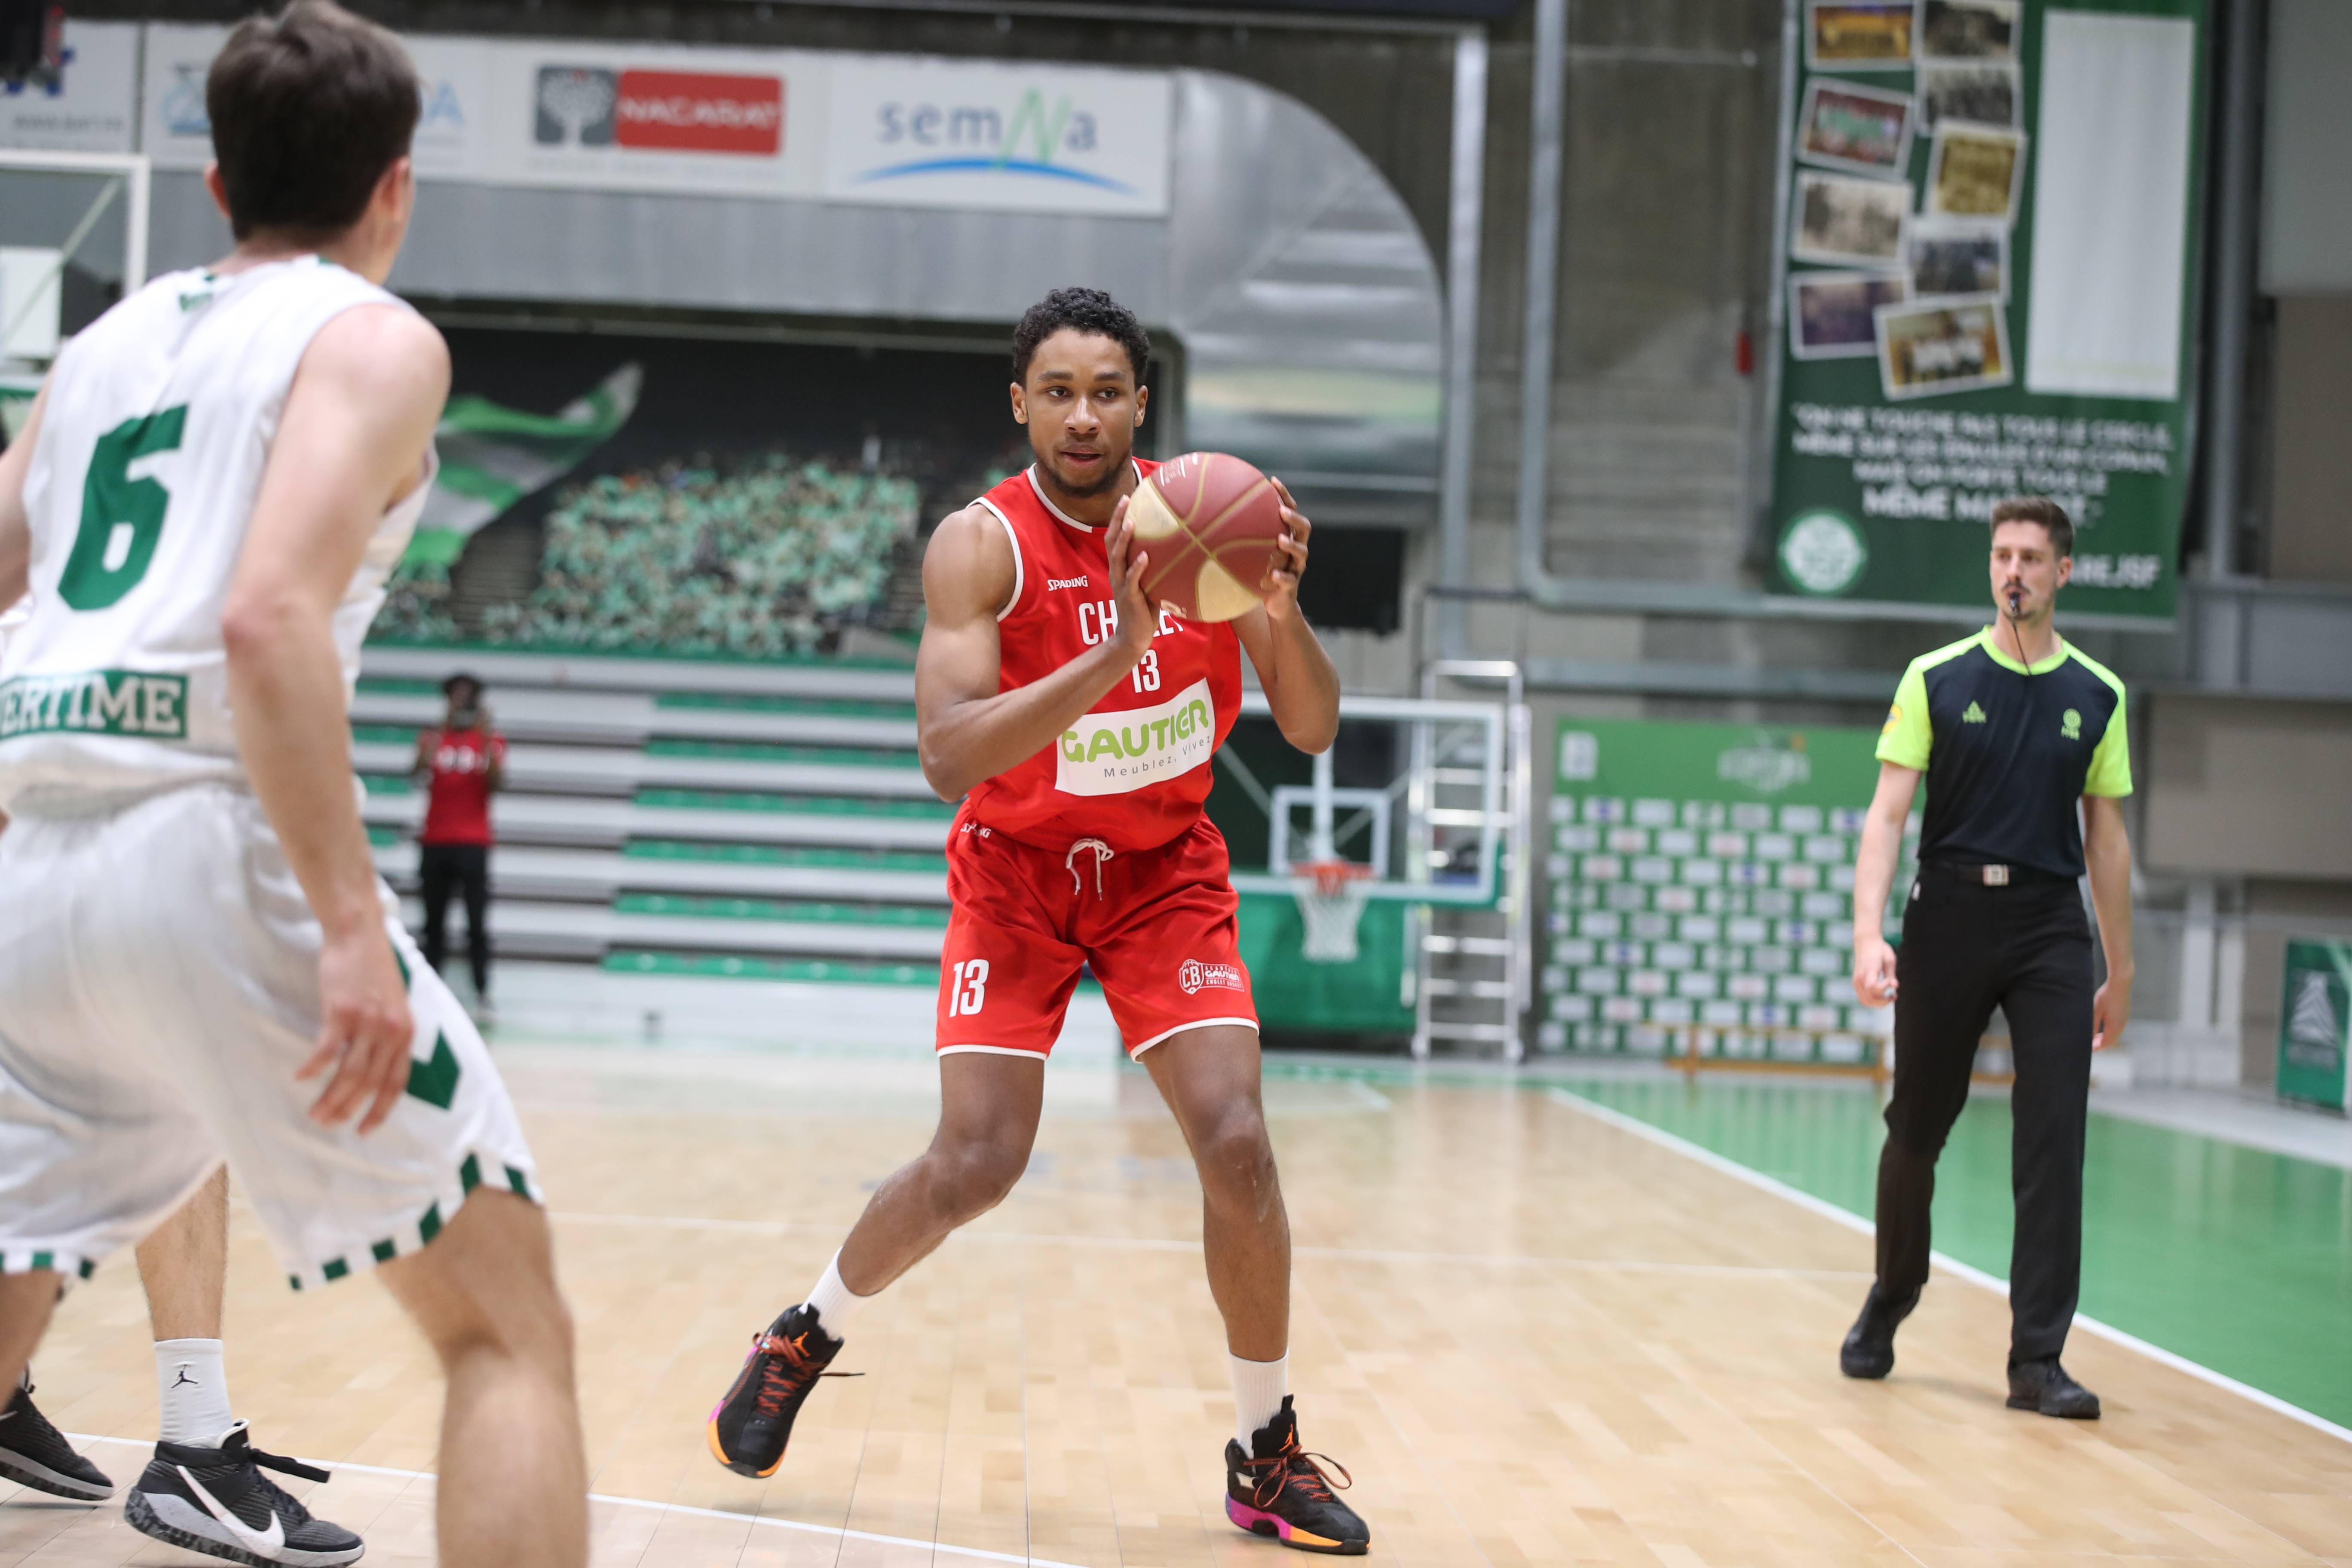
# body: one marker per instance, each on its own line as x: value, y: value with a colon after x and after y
x: 1192, y: 975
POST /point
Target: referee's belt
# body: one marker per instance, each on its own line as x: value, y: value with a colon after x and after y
x: 1991, y: 876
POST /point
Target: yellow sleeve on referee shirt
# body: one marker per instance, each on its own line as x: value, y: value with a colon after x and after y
x: 1907, y: 735
x: 2110, y: 761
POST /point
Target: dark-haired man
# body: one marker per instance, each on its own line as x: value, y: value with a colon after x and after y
x: 1061, y: 857
x: 2021, y: 738
x: 462, y: 763
x: 216, y: 479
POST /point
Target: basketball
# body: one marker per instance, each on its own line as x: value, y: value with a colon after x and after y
x: 1212, y: 525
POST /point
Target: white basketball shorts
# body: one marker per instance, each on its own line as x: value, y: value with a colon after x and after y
x: 159, y: 988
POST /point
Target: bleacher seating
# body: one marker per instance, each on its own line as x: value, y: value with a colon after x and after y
x: 682, y: 816
x: 748, y: 562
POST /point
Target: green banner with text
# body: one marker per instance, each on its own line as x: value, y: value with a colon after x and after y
x: 1991, y: 290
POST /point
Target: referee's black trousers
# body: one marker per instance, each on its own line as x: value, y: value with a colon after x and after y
x: 1967, y: 949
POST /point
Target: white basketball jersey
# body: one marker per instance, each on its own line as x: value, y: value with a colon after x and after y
x: 160, y: 420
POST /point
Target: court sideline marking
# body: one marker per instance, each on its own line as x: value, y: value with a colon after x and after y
x: 1854, y: 1222
x: 837, y: 1532
x: 1173, y: 1243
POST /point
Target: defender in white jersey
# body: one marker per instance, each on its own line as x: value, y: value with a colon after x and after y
x: 212, y: 486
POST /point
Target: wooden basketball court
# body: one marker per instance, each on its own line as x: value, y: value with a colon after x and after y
x: 1534, y: 1337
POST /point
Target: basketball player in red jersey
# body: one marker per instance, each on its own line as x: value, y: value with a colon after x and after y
x: 1077, y: 719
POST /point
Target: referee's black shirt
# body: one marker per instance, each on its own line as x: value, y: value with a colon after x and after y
x: 2007, y: 752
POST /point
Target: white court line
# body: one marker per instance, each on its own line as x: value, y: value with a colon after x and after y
x: 1166, y: 1244
x: 836, y: 1533
x: 1854, y: 1222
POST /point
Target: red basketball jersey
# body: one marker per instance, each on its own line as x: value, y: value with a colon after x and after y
x: 458, y: 811
x: 1134, y: 771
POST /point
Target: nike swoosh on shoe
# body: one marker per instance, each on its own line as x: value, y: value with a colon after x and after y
x: 263, y: 1543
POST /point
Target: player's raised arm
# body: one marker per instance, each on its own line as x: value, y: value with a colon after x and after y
x: 1302, y: 685
x: 15, y: 528
x: 358, y: 420
x: 966, y: 730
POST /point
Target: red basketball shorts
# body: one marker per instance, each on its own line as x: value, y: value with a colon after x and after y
x: 1156, y: 926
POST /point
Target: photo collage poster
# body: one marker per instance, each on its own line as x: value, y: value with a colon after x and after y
x: 1701, y: 891
x: 1946, y: 157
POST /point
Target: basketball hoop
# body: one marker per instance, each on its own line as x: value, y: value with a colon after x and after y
x: 1331, y: 896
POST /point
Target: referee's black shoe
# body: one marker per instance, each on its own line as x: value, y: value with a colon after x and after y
x: 1869, y: 1348
x: 2043, y: 1385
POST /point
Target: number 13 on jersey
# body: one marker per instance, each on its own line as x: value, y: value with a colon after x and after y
x: 968, y: 991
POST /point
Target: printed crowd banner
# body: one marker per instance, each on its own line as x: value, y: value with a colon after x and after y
x: 1991, y: 290
x: 493, y: 456
x: 1702, y: 887
x: 887, y: 130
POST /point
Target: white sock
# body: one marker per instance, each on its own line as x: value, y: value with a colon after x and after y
x: 835, y: 1302
x: 1258, y: 1389
x: 192, y: 1389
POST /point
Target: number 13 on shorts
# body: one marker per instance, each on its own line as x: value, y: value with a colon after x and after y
x: 968, y: 989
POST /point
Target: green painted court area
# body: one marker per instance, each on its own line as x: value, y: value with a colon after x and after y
x: 2236, y: 1258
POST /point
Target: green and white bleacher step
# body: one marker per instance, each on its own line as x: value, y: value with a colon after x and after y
x: 736, y: 966
x: 534, y: 717
x: 677, y: 765
x: 528, y: 871
x: 686, y: 814
x: 524, y: 928
x: 507, y: 672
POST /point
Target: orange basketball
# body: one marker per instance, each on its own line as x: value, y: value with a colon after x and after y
x: 1212, y: 525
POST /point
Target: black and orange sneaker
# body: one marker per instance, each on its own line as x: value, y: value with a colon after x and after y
x: 750, y: 1426
x: 1281, y: 1491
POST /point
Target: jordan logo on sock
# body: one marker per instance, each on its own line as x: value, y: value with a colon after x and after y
x: 185, y: 1381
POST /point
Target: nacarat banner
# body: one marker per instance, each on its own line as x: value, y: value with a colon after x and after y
x: 1992, y: 292
x: 886, y: 130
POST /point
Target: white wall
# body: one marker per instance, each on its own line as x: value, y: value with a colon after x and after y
x: 2307, y: 197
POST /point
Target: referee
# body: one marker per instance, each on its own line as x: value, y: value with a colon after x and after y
x: 2011, y: 727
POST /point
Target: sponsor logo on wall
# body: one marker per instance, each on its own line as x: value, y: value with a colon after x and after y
x: 884, y: 130
x: 988, y: 134
x: 688, y: 111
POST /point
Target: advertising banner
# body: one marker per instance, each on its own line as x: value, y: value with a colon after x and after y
x: 996, y: 136
x: 87, y: 108
x: 173, y: 130
x: 1991, y: 289
x: 2315, y: 1021
x: 886, y: 130
x: 1702, y: 884
x: 644, y: 118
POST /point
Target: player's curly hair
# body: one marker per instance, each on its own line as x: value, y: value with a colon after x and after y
x: 1086, y: 311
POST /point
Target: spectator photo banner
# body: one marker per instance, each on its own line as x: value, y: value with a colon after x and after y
x: 1991, y: 290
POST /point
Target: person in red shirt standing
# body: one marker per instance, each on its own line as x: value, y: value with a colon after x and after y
x: 464, y: 761
x: 1076, y: 718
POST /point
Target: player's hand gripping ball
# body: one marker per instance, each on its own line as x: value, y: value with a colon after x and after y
x: 1212, y: 526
